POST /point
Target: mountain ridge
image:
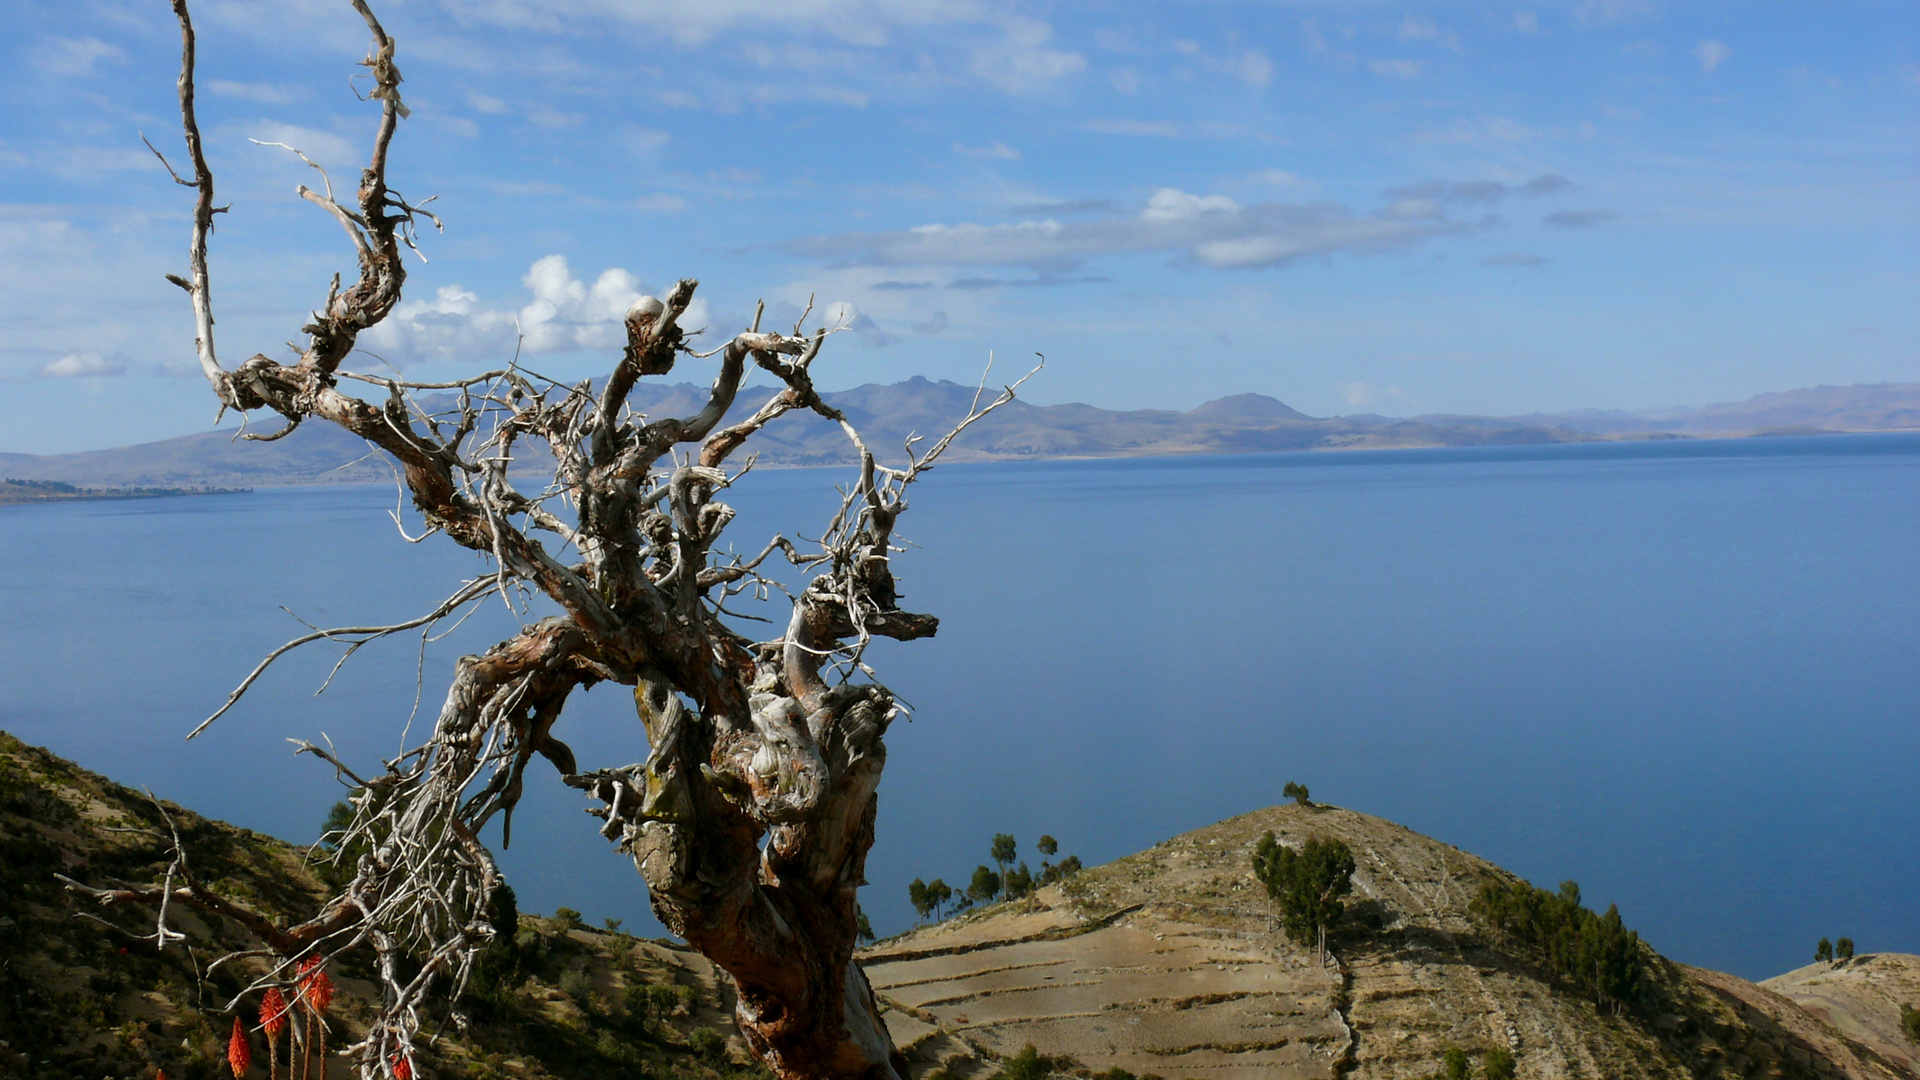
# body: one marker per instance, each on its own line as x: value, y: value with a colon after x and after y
x: 889, y: 414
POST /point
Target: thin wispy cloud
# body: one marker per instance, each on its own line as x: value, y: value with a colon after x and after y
x: 1397, y: 69
x: 997, y: 150
x: 1208, y: 230
x: 1712, y: 54
x: 77, y: 57
x: 1514, y: 259
x: 1578, y: 219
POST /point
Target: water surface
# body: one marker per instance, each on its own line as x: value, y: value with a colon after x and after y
x: 1684, y: 674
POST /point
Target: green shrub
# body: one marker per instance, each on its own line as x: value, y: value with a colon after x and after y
x: 1499, y: 1064
x: 1455, y: 1065
x: 575, y: 983
x: 1596, y: 953
x: 709, y: 1046
x: 1910, y: 1022
x: 1031, y: 1064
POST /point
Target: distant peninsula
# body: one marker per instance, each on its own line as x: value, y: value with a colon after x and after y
x: 888, y: 414
x: 13, y: 491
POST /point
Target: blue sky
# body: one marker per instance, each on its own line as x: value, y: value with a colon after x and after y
x: 1353, y: 207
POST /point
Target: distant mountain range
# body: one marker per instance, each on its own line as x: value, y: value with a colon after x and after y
x: 887, y: 415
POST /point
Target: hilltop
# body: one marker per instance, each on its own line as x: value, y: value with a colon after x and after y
x: 887, y: 415
x: 1162, y: 963
x: 1166, y: 963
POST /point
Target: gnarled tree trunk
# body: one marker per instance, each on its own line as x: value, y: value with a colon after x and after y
x: 751, y: 817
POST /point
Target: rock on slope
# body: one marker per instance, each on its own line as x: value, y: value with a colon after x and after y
x: 1163, y: 962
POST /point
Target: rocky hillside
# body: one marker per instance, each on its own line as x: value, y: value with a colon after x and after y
x: 1165, y: 963
x: 82, y: 1000
x: 1865, y: 997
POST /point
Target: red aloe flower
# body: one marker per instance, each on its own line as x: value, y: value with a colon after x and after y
x: 273, y: 1012
x: 239, y: 1054
x: 401, y: 1069
x: 315, y: 987
x: 319, y: 990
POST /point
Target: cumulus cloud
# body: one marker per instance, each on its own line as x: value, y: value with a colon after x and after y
x: 1578, y: 219
x: 83, y: 365
x: 1211, y: 230
x: 1712, y: 53
x: 564, y: 314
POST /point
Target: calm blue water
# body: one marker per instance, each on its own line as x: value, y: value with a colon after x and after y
x: 1685, y: 674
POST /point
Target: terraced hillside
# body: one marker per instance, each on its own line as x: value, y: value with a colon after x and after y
x: 1864, y: 997
x: 1165, y: 963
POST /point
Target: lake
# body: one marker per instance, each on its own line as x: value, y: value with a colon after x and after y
x: 1684, y: 674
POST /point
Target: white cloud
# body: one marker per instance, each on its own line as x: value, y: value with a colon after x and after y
x: 1397, y: 69
x: 660, y: 202
x: 564, y: 314
x: 1021, y: 63
x: 339, y: 156
x: 1253, y: 67
x: 265, y: 93
x: 1578, y: 219
x: 75, y: 56
x: 1608, y: 12
x: 1125, y: 80
x: 1211, y: 230
x: 1526, y: 22
x: 992, y: 150
x: 1361, y: 394
x: 860, y: 22
x: 83, y: 365
x: 1157, y: 128
x: 1170, y: 204
x: 1712, y: 53
x: 1422, y: 28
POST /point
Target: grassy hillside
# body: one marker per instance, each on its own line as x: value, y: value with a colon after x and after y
x: 79, y: 999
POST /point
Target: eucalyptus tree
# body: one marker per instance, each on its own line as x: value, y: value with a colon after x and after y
x: 752, y: 813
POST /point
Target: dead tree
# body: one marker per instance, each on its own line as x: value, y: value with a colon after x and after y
x: 752, y: 815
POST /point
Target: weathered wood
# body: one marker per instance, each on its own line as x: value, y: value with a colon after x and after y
x: 751, y: 817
